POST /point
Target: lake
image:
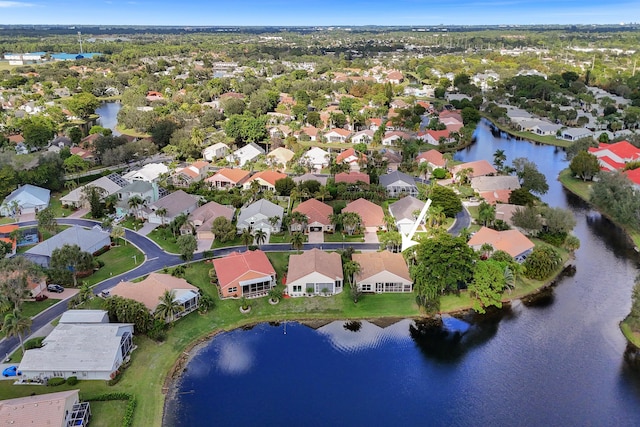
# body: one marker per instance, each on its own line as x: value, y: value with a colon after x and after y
x: 108, y: 112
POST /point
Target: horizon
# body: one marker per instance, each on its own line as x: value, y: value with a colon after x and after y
x: 331, y: 13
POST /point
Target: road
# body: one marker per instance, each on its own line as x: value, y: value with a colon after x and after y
x: 156, y: 259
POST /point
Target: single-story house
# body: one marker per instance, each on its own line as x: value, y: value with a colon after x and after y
x: 614, y: 156
x: 316, y: 157
x: 337, y: 135
x: 351, y: 157
x: 309, y: 131
x: 403, y: 211
x: 315, y: 272
x: 371, y: 214
x: 247, y: 274
x: 390, y: 138
x: 352, y: 177
x: 27, y: 198
x: 318, y: 214
x: 280, y: 156
x: 92, y: 351
x: 150, y: 172
x: 477, y: 168
x: 195, y: 172
x: 202, y: 218
x: 228, y: 178
x: 399, y: 183
x: 512, y: 242
x: 84, y: 316
x: 434, y: 159
x: 505, y: 211
x: 61, y: 409
x: 362, y: 137
x: 266, y: 179
x: 574, y: 134
x: 434, y: 137
x: 322, y: 179
x: 215, y: 151
x: 6, y: 236
x: 175, y: 204
x: 89, y: 240
x: 245, y: 154
x: 493, y: 183
x: 258, y: 215
x: 110, y: 184
x: 150, y: 290
x: 382, y: 272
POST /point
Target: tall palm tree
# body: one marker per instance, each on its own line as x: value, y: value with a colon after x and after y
x: 351, y: 268
x: 260, y: 237
x: 117, y: 232
x: 162, y: 213
x: 297, y: 240
x: 168, y: 306
x: 247, y: 237
x: 299, y: 219
x: 15, y: 325
x: 274, y: 221
x: 322, y: 193
x: 351, y: 221
x: 389, y: 222
x: 135, y: 203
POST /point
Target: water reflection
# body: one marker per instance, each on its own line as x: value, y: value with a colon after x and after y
x: 347, y: 337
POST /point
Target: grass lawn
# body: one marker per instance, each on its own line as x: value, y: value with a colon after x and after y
x: 107, y: 414
x: 164, y: 239
x: 543, y: 139
x: 131, y: 223
x: 116, y: 260
x: 341, y: 237
x: 283, y: 237
x: 237, y: 241
x: 132, y: 132
x: 56, y: 206
x: 280, y: 262
x: 32, y: 308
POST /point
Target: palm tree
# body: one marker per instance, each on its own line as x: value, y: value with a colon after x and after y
x: 135, y: 203
x: 436, y: 215
x: 247, y: 237
x: 162, y: 213
x: 274, y: 221
x: 260, y: 237
x: 15, y: 325
x: 117, y: 233
x: 168, y: 306
x: 322, y: 193
x: 389, y: 222
x: 498, y: 160
x: 351, y: 221
x: 299, y: 219
x: 486, y: 249
x: 70, y: 185
x: 336, y: 220
x: 486, y: 213
x: 351, y: 268
x: 297, y: 240
x: 509, y: 279
x: 85, y: 293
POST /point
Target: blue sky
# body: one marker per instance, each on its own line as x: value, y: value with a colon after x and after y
x: 318, y: 12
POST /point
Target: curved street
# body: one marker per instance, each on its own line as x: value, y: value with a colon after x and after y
x: 156, y: 259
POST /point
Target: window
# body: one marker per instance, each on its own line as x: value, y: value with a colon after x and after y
x: 297, y: 288
x: 365, y: 287
x: 233, y: 290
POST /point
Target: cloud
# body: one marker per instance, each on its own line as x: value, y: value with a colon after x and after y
x: 8, y: 4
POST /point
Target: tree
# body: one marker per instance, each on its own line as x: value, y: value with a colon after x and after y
x: 188, y: 245
x: 584, y: 165
x: 75, y: 135
x: 617, y: 196
x: 427, y: 291
x: 487, y: 285
x: 260, y: 237
x: 247, y: 237
x: 299, y: 220
x: 391, y: 241
x: 447, y: 199
x: 498, y: 159
x: 16, y: 325
x: 71, y: 259
x: 93, y: 195
x: 350, y: 269
x: 284, y: 186
x: 37, y: 131
x: 558, y: 220
x: 541, y: 262
x: 47, y: 221
x: 486, y: 213
x: 75, y: 164
x: 528, y: 219
x: 135, y: 203
x: 161, y: 132
x: 83, y: 104
x: 162, y: 213
x: 470, y: 116
x: 297, y: 240
x: 168, y: 307
x: 530, y: 178
x: 521, y: 197
x: 117, y: 233
x: 124, y: 310
x: 350, y: 222
x: 223, y: 229
x: 15, y: 274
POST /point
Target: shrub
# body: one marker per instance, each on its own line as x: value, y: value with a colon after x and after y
x: 439, y: 173
x: 55, y: 381
x: 72, y: 380
x: 33, y: 343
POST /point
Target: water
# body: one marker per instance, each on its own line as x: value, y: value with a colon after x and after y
x: 555, y: 362
x: 108, y: 112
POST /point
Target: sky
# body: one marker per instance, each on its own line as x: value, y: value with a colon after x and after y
x: 317, y: 12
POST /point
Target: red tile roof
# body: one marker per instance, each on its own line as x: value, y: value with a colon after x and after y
x: 316, y: 211
x: 233, y: 175
x: 371, y: 214
x: 352, y: 177
x: 512, y: 242
x: 432, y: 156
x: 622, y: 149
x: 479, y: 167
x: 347, y: 153
x: 236, y: 267
x: 268, y: 175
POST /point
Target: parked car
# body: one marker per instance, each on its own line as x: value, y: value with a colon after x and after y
x: 11, y: 371
x: 55, y: 288
x: 105, y: 294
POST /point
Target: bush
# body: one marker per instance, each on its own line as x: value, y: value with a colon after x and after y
x: 72, y: 380
x: 55, y: 381
x: 33, y: 343
x: 555, y: 239
x: 439, y: 173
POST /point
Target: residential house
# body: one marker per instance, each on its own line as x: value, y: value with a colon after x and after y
x: 352, y: 178
x: 150, y: 172
x: 84, y: 316
x: 392, y: 137
x: 280, y: 157
x: 228, y: 178
x: 434, y: 159
x: 174, y: 204
x: 89, y: 240
x: 259, y: 216
x: 84, y: 153
x: 614, y: 156
x: 351, y: 157
x: 495, y: 189
x: 435, y: 137
x: 109, y: 185
x: 371, y: 214
x: 248, y: 274
x: 404, y: 212
x: 266, y: 179
x: 474, y: 169
x: 574, y: 134
x: 317, y: 158
x: 27, y: 199
x: 315, y: 272
x: 202, y: 218
x: 362, y: 137
x: 195, y: 172
x: 215, y: 151
x: 398, y: 184
x: 153, y: 95
x: 337, y: 135
x: 146, y: 191
x: 248, y: 153
x: 318, y: 214
x: 61, y: 409
x: 382, y: 272
x: 512, y: 242
x: 505, y: 211
x: 88, y: 351
x: 309, y: 131
x: 322, y: 179
x: 395, y: 77
x: 150, y: 290
x: 376, y: 123
x: 392, y: 158
x: 6, y: 231
x: 399, y: 104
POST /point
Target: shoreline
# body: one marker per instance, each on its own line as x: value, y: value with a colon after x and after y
x: 529, y: 136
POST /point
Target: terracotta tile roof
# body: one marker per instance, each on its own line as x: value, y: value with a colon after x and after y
x: 436, y: 134
x: 39, y: 410
x: 8, y: 228
x: 512, y: 242
x: 204, y: 216
x: 149, y: 291
x: 352, y: 177
x: 455, y: 114
x: 496, y: 196
x: 432, y: 156
x: 310, y: 130
x: 372, y: 263
x: 16, y: 139
x: 479, y: 167
x: 200, y: 164
x: 633, y: 175
x: 315, y: 210
x: 233, y: 175
x: 237, y: 266
x: 268, y: 175
x: 371, y: 214
x: 348, y: 153
x: 326, y: 263
x: 340, y: 131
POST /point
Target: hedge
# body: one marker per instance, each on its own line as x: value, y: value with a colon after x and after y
x: 55, y: 381
x: 127, y: 420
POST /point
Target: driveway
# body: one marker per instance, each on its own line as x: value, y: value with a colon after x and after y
x: 79, y: 213
x: 147, y: 228
x: 316, y: 237
x: 371, y: 236
x: 68, y: 293
x: 204, y: 245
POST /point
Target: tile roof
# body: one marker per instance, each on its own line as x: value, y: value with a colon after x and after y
x: 493, y: 183
x: 175, y: 203
x: 371, y: 214
x: 512, y: 242
x: 326, y: 263
x: 315, y: 210
x: 372, y: 263
x: 352, y: 177
x: 479, y: 167
x: 395, y: 176
x: 238, y: 266
x: 204, y: 216
x: 349, y: 152
x: 150, y: 290
x: 39, y: 410
x: 622, y: 149
x: 404, y: 208
x: 233, y: 175
x: 268, y: 176
x: 432, y: 156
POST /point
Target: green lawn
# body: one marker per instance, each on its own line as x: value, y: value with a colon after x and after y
x: 578, y: 187
x: 117, y: 260
x: 31, y: 308
x: 164, y: 239
x: 235, y: 242
x: 341, y: 237
x: 56, y: 206
x: 107, y: 414
x: 132, y: 132
x: 131, y: 223
x: 283, y: 237
x: 632, y: 336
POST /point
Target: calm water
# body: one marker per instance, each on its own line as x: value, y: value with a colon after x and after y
x: 558, y: 361
x: 108, y: 112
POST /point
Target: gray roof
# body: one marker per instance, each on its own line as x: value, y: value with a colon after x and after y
x: 493, y: 183
x: 396, y: 176
x: 322, y: 179
x: 404, y: 208
x: 262, y: 206
x: 175, y: 203
x: 110, y: 184
x: 85, y: 316
x: 140, y: 187
x: 30, y: 195
x: 83, y: 237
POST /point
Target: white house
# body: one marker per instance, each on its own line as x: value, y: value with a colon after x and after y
x: 27, y: 199
x: 382, y: 272
x: 109, y: 184
x: 317, y: 157
x: 362, y: 137
x: 245, y: 154
x: 315, y: 272
x: 398, y: 183
x: 215, y: 151
x: 149, y: 172
x: 257, y: 216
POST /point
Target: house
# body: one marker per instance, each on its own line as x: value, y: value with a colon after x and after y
x: 202, y: 218
x: 505, y: 211
x: 150, y: 172
x: 315, y: 272
x: 435, y: 137
x: 404, y: 212
x: 351, y: 157
x: 150, y: 290
x: 89, y: 240
x: 280, y: 157
x: 392, y: 137
x: 309, y: 131
x: 574, y: 134
x: 382, y: 272
x: 27, y: 199
x: 318, y: 214
x: 495, y: 189
x: 512, y: 242
x: 146, y: 191
x: 88, y: 351
x: 61, y: 409
x: 84, y: 316
x: 6, y: 236
x: 362, y: 137
x: 475, y: 169
x: 195, y: 172
x: 84, y: 154
x: 227, y: 178
x: 174, y: 204
x: 317, y: 158
x: 248, y: 274
x: 259, y: 216
x: 322, y: 179
x: 215, y: 151
x: 153, y: 95
x: 399, y: 183
x: 434, y: 159
x: 371, y: 214
x: 614, y: 156
x: 245, y: 154
x: 376, y: 123
x: 109, y: 184
x: 266, y: 179
x: 395, y: 77
x: 337, y: 135
x: 352, y: 178
x: 392, y: 158
x: 399, y: 104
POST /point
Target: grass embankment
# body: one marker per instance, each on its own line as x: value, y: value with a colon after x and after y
x: 632, y: 336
